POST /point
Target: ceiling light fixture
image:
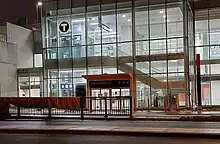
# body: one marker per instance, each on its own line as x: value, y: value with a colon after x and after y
x: 123, y: 16
x: 161, y: 12
x: 94, y: 23
x: 129, y: 20
x: 93, y: 19
x: 78, y: 20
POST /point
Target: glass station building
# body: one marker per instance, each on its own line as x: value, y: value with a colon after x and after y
x: 155, y: 41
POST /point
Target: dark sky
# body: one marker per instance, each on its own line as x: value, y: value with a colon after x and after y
x: 11, y: 10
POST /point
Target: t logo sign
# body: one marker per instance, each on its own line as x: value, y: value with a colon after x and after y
x: 64, y: 27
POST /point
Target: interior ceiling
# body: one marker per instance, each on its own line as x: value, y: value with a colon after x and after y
x: 141, y: 17
x: 205, y: 4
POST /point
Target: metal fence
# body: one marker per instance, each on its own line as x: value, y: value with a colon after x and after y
x: 105, y: 107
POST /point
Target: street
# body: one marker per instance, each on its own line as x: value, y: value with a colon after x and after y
x: 74, y: 139
x: 107, y: 124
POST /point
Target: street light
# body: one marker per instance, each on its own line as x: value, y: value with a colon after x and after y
x: 39, y: 6
x: 39, y: 3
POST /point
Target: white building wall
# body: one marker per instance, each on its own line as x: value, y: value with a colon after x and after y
x: 3, y: 30
x: 23, y: 38
x: 8, y: 66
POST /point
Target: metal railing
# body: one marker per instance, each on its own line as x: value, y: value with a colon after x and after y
x: 140, y: 66
x: 89, y: 107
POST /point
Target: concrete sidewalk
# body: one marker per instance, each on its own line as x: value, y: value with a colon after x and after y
x: 162, y: 132
x: 109, y: 128
x: 139, y: 115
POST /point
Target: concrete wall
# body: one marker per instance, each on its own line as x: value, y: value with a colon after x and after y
x: 3, y: 30
x: 8, y: 66
x: 23, y: 38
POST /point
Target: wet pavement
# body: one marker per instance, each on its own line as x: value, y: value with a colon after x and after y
x: 109, y: 124
x: 76, y: 139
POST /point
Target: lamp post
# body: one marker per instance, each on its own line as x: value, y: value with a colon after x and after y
x: 39, y: 6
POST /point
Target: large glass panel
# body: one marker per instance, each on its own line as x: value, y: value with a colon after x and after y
x: 66, y: 82
x: 158, y: 47
x: 157, y: 22
x: 52, y: 53
x: 174, y: 21
x: 215, y: 83
x: 78, y: 35
x: 204, y: 52
x: 141, y: 23
x: 159, y: 67
x: 143, y: 95
x: 124, y: 22
x: 51, y: 39
x: 53, y: 87
x: 64, y: 37
x: 214, y: 26
x: 53, y: 74
x: 108, y: 24
x: 143, y: 67
x: 94, y: 25
x: 94, y: 70
x: 109, y: 59
x: 125, y: 49
x: 78, y: 29
x: 201, y: 28
x: 215, y: 51
x: 142, y: 48
x: 64, y: 52
x: 176, y: 66
x: 94, y: 56
x: 175, y: 45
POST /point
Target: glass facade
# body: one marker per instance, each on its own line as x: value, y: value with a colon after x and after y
x: 153, y: 42
x: 207, y: 33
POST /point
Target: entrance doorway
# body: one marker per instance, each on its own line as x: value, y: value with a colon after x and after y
x: 109, y: 92
x: 117, y: 99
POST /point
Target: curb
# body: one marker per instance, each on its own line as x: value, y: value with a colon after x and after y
x: 190, y: 119
x: 110, y: 133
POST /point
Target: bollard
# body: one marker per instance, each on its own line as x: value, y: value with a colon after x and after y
x: 165, y: 104
x: 19, y: 112
x: 106, y: 110
x: 81, y: 107
x: 148, y: 103
x: 49, y: 113
x: 131, y: 108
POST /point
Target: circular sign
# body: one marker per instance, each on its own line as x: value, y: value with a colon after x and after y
x: 64, y: 27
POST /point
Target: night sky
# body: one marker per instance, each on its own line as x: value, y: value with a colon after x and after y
x: 11, y: 10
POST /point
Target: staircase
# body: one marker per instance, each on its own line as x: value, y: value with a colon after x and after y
x: 140, y: 76
x: 143, y: 77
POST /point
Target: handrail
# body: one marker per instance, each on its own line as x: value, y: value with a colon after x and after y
x: 153, y: 69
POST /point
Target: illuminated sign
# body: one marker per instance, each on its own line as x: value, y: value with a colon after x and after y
x: 110, y: 84
x: 66, y: 86
x: 64, y: 27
